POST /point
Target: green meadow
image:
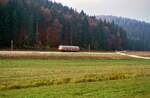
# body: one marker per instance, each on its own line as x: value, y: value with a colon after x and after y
x: 37, y: 78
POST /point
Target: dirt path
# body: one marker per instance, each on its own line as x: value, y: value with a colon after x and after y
x: 133, y: 56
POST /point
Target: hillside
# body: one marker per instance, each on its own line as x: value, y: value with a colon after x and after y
x: 42, y: 24
x: 138, y: 32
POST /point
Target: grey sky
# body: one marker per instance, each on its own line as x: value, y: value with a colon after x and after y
x: 136, y: 9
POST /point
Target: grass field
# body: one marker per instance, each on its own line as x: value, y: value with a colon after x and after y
x: 74, y: 78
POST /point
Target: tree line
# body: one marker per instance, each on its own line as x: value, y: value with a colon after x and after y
x: 138, y: 32
x: 43, y: 24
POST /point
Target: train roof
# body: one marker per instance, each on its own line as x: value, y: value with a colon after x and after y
x: 66, y: 46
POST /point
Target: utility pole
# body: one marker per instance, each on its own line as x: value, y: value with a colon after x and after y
x: 89, y: 47
x: 71, y: 38
x: 37, y: 31
x: 12, y: 45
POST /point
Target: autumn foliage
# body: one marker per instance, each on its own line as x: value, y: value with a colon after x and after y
x: 43, y: 24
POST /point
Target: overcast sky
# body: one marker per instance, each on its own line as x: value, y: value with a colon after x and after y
x: 136, y: 9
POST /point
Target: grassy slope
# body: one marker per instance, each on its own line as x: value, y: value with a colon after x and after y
x: 75, y: 78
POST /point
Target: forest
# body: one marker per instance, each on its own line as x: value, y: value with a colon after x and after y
x: 138, y: 32
x: 44, y: 25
